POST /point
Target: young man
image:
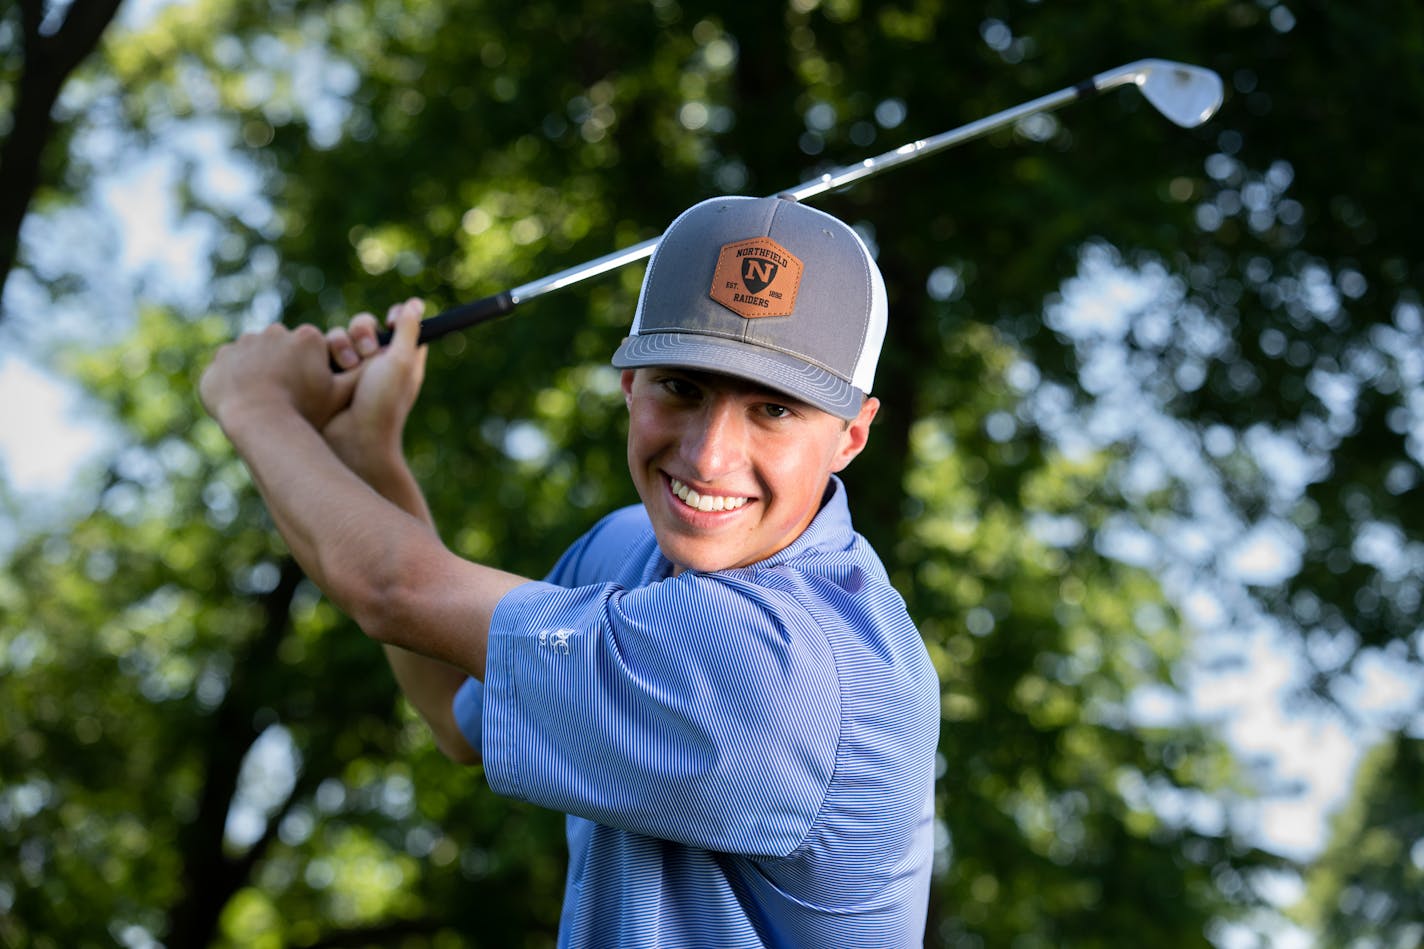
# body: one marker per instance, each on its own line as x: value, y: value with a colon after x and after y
x: 718, y: 686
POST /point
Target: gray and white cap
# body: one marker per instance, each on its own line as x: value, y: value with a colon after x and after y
x: 768, y: 290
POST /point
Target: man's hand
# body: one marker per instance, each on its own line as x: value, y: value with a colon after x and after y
x: 277, y: 370
x: 366, y: 433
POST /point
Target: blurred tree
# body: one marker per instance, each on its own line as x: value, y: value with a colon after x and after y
x: 1367, y: 888
x: 197, y: 749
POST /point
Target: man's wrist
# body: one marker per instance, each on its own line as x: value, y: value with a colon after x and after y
x: 385, y: 470
x: 385, y: 477
x: 374, y: 463
x: 253, y: 417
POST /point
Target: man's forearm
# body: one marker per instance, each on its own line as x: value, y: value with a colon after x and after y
x: 384, y: 567
x: 335, y: 524
x: 428, y: 684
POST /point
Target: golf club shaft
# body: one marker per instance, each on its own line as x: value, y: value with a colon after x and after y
x: 479, y: 311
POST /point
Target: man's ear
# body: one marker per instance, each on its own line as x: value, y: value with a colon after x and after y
x: 627, y: 382
x: 856, y: 434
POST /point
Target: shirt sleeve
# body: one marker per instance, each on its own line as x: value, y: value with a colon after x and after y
x: 579, y: 563
x: 702, y: 709
x: 469, y: 711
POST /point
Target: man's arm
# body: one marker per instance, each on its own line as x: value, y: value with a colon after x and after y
x: 274, y: 394
x: 428, y: 684
x: 366, y: 435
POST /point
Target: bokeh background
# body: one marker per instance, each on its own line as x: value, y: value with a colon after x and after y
x: 1148, y: 470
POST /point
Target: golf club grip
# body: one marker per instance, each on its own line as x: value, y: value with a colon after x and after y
x: 459, y: 317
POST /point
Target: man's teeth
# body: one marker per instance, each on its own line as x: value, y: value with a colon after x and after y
x: 704, y: 502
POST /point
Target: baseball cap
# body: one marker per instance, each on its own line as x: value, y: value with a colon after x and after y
x: 768, y: 290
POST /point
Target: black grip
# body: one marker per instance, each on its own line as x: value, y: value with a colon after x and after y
x: 459, y: 317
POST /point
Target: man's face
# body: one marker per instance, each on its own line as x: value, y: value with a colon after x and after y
x: 730, y: 472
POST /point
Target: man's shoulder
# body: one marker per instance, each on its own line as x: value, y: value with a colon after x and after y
x: 606, y: 550
x: 620, y: 528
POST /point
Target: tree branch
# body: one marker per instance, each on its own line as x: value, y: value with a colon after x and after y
x: 48, y: 62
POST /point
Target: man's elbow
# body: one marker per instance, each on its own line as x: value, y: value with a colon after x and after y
x: 384, y: 602
x: 378, y: 611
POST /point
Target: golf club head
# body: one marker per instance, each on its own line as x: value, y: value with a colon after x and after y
x: 1188, y: 95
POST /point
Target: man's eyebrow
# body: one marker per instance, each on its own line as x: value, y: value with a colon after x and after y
x: 720, y: 380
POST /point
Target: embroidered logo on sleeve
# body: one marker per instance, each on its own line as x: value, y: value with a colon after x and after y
x: 556, y: 639
x: 757, y: 277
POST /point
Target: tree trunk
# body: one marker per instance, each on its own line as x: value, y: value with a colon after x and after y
x: 210, y: 877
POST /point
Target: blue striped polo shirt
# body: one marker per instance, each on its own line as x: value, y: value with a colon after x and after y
x: 746, y: 757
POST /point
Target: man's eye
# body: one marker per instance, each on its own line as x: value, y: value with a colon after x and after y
x: 679, y: 387
x: 777, y: 411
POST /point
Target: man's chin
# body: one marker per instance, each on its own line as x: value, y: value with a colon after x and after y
x: 688, y: 556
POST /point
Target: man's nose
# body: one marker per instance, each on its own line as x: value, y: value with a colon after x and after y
x: 715, y: 445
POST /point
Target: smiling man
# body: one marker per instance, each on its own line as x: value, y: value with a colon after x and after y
x: 718, y: 686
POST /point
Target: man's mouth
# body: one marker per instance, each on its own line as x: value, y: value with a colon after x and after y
x: 704, y: 502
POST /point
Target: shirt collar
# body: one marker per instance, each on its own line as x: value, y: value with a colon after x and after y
x: 830, y: 529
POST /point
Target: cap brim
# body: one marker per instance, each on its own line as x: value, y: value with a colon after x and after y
x: 803, y: 382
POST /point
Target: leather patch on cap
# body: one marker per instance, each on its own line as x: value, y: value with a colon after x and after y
x: 757, y: 277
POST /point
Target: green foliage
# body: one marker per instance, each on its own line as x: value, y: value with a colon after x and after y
x: 1367, y: 888
x: 456, y: 149
x: 1051, y: 793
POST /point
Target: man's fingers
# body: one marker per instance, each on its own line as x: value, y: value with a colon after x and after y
x: 348, y: 346
x: 341, y: 349
x: 363, y: 334
x: 344, y: 386
x: 404, y: 320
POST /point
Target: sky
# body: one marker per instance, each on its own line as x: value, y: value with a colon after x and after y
x: 126, y: 244
x: 43, y: 445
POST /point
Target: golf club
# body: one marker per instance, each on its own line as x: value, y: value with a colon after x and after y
x: 1187, y: 95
